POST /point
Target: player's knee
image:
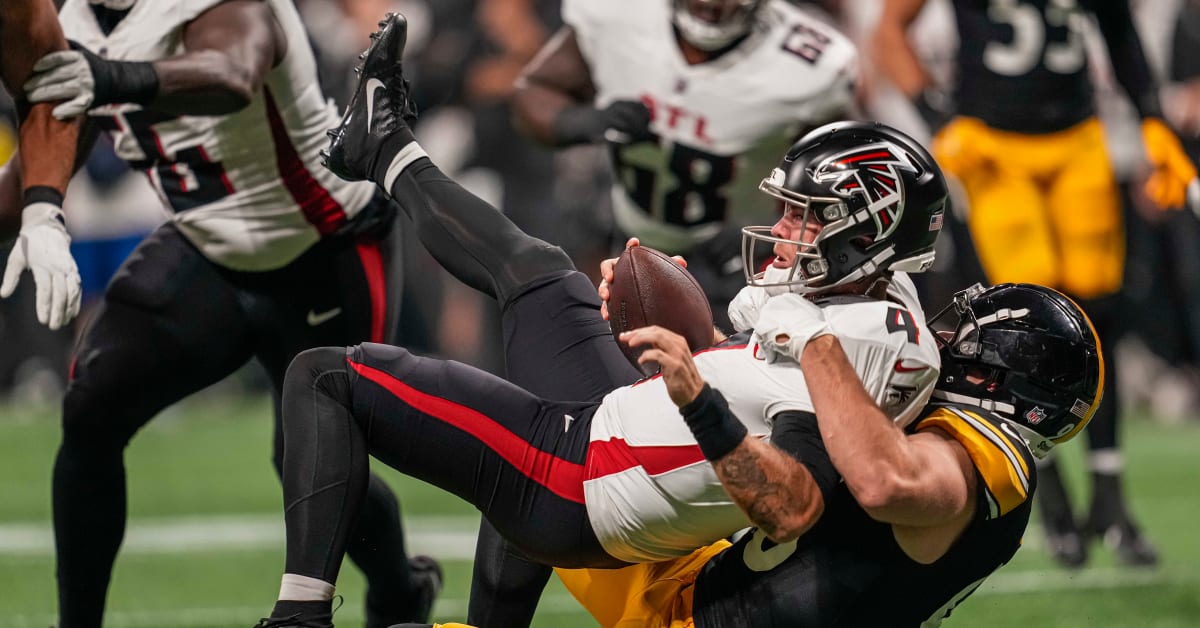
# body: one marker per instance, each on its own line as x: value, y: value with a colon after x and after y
x: 317, y: 381
x: 100, y: 409
x: 322, y: 369
x: 532, y: 261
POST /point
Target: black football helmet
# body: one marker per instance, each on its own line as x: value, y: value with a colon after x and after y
x: 714, y: 24
x: 878, y: 195
x: 1026, y: 353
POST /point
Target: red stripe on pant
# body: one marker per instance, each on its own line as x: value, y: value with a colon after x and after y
x: 561, y: 477
x: 372, y: 263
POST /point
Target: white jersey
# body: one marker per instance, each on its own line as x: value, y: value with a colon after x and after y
x: 651, y: 495
x: 722, y: 125
x: 246, y: 188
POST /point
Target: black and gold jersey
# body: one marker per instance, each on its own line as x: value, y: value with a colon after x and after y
x: 849, y: 571
x: 1022, y: 65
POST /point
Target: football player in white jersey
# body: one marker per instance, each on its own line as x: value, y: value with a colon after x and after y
x: 924, y: 513
x: 37, y: 177
x: 695, y: 99
x: 574, y: 458
x: 265, y: 254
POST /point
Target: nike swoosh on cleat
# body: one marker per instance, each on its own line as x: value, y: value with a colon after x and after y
x: 373, y: 85
x: 315, y: 319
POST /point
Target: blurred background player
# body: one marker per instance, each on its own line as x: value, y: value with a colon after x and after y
x: 37, y: 180
x: 1043, y: 203
x: 689, y: 96
x: 266, y: 254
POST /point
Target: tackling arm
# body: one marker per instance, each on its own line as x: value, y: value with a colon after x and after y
x: 921, y: 479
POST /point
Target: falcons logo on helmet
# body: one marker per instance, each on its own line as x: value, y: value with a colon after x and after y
x: 871, y: 172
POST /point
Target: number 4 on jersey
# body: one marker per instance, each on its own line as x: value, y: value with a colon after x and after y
x: 902, y: 320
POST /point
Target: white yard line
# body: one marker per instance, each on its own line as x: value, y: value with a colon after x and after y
x: 448, y: 538
x: 1002, y: 583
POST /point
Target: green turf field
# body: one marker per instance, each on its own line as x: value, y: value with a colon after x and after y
x: 204, y: 547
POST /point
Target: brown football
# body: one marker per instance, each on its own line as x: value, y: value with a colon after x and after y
x: 650, y: 288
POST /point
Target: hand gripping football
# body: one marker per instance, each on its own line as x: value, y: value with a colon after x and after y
x: 650, y: 288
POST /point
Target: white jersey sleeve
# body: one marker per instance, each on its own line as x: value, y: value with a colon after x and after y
x: 246, y: 188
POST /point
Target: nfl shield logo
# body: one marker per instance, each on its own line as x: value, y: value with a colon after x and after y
x: 1035, y: 416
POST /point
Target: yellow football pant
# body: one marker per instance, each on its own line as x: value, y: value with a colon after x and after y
x: 650, y: 595
x: 1042, y: 209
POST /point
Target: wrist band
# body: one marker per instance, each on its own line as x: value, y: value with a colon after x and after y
x: 717, y: 431
x: 42, y: 194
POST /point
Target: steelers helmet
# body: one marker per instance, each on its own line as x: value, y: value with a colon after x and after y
x: 878, y: 195
x: 1027, y: 353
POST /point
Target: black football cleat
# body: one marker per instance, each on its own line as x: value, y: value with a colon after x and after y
x: 428, y: 575
x: 1065, y: 544
x: 380, y: 108
x: 427, y: 581
x: 294, y: 621
x: 1126, y: 541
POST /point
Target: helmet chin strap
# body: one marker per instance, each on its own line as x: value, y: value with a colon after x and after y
x: 115, y: 5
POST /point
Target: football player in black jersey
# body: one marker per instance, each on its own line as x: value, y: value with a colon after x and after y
x: 924, y: 515
x: 1044, y: 206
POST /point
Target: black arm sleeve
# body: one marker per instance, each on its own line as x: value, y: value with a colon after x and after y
x: 797, y: 433
x: 1128, y: 59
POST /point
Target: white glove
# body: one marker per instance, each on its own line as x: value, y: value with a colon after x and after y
x: 785, y: 325
x: 43, y: 248
x: 744, y: 307
x: 65, y: 75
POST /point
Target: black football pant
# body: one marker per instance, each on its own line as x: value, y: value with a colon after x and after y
x: 173, y: 323
x: 485, y: 250
x: 556, y: 347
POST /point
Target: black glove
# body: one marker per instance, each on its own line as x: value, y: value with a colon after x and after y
x: 85, y: 81
x: 622, y: 122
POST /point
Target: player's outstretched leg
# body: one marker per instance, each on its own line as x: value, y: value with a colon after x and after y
x: 468, y: 237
